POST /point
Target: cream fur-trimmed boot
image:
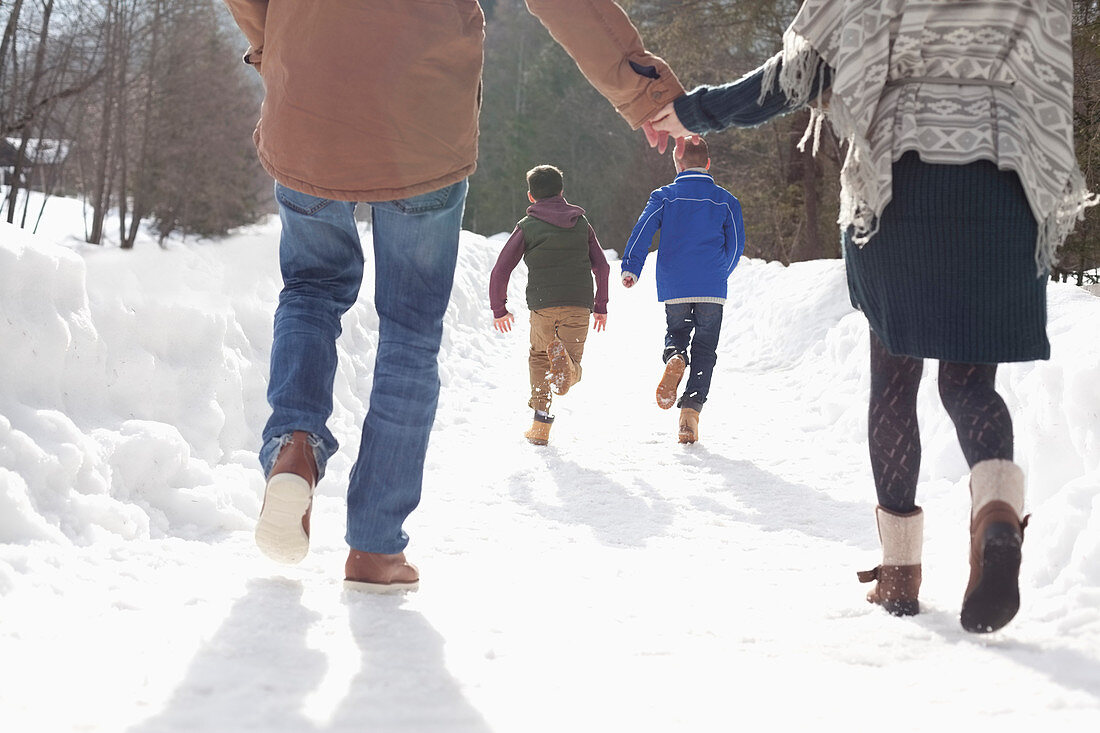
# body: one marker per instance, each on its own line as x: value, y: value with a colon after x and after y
x: 992, y: 596
x: 898, y: 577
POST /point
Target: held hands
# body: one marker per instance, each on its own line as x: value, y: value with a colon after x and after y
x: 663, y: 125
x: 599, y: 321
x: 504, y: 323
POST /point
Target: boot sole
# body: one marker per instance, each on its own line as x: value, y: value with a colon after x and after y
x: 670, y: 382
x: 361, y: 586
x: 996, y: 597
x: 559, y: 368
x: 279, y: 531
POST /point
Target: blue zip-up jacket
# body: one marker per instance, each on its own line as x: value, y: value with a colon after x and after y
x: 702, y: 238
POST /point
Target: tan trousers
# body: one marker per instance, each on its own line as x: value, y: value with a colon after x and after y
x: 567, y: 323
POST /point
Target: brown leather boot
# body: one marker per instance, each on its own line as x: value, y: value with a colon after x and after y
x: 371, y: 571
x: 282, y: 531
x: 689, y: 424
x: 898, y: 577
x: 670, y: 381
x: 562, y: 369
x: 992, y: 595
x: 539, y: 434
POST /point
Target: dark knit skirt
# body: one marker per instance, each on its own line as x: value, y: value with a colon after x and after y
x: 951, y: 272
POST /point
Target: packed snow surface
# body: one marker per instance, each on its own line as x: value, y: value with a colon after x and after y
x: 611, y: 581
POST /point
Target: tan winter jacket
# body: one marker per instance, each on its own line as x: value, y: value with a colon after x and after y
x: 379, y: 100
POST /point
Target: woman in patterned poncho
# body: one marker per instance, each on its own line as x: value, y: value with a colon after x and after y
x: 960, y: 183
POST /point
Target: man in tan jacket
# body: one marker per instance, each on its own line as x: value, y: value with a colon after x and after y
x: 378, y: 102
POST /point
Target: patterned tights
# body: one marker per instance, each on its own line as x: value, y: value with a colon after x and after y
x: 967, y: 391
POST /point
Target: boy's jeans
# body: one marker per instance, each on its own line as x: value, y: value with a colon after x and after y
x: 415, y: 250
x: 706, y: 320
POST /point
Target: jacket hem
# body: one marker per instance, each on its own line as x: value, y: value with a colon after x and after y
x: 365, y: 195
x: 566, y: 304
x: 703, y: 299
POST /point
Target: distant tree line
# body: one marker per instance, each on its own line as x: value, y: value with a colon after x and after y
x: 158, y: 111
x: 539, y: 109
x: 152, y: 103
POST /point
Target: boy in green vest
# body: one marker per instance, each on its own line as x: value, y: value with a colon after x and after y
x: 562, y: 253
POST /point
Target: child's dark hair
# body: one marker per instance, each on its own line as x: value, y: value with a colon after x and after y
x: 695, y: 155
x: 544, y: 181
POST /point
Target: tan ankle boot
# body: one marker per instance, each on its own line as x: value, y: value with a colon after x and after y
x: 282, y: 531
x: 992, y: 595
x: 562, y: 369
x: 372, y: 571
x: 670, y: 381
x: 689, y: 424
x: 898, y: 577
x: 539, y: 433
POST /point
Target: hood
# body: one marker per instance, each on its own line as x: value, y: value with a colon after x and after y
x: 556, y: 211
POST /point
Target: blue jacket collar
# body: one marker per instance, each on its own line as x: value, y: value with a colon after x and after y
x: 694, y: 173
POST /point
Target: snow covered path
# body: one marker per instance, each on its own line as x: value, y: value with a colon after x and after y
x: 613, y: 580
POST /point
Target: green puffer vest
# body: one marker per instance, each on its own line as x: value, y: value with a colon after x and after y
x: 558, y: 269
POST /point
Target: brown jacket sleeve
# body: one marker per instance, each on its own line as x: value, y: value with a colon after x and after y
x: 609, y: 52
x: 251, y: 16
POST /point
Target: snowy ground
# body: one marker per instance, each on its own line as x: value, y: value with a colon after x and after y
x: 613, y: 581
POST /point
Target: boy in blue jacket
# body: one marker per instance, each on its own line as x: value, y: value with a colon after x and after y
x: 702, y: 238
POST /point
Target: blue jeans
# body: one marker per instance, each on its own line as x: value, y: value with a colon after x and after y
x: 705, y: 319
x: 321, y: 257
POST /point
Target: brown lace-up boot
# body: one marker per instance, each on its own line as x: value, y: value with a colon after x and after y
x: 282, y: 531
x: 992, y: 596
x: 372, y: 571
x: 562, y: 369
x: 670, y: 381
x: 689, y: 424
x: 898, y: 577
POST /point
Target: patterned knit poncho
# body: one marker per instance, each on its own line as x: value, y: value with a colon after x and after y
x: 955, y: 80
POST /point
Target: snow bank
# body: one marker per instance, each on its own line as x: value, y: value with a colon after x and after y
x: 134, y: 385
x: 798, y: 321
x: 134, y: 380
x: 131, y: 398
